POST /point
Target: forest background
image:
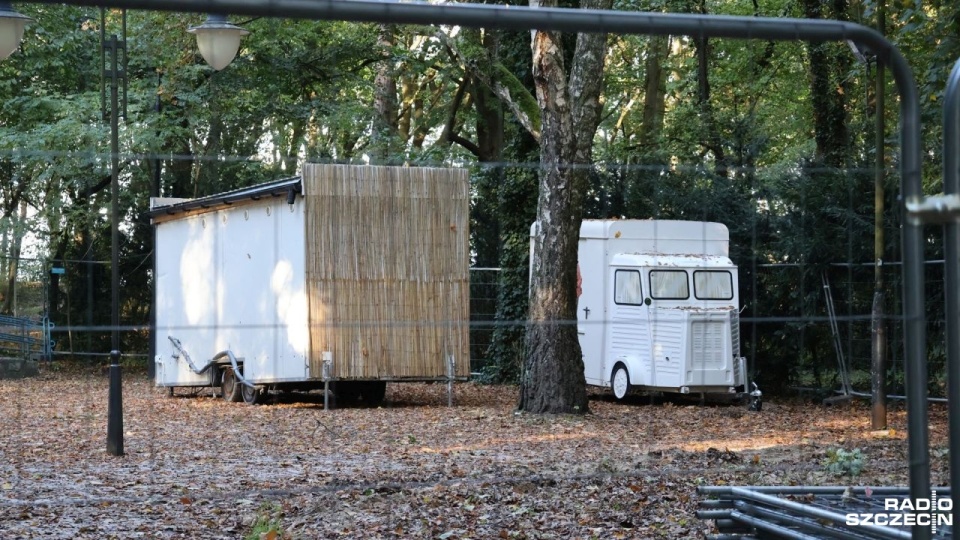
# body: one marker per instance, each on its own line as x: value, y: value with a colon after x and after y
x: 773, y: 139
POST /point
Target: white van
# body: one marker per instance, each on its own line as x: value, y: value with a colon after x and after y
x: 659, y: 308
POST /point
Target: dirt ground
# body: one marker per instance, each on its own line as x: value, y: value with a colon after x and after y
x: 198, y: 467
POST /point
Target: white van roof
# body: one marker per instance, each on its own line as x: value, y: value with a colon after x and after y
x: 660, y: 235
x: 657, y: 235
x: 713, y: 262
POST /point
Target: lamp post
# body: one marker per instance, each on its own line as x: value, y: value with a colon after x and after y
x: 11, y: 29
x: 115, y: 72
x: 218, y: 40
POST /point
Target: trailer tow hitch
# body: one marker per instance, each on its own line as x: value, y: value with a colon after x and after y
x: 756, y: 399
x: 181, y: 352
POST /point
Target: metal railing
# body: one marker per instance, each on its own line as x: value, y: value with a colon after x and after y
x: 26, y: 338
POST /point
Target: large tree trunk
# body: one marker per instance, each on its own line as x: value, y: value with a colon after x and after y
x: 552, y: 379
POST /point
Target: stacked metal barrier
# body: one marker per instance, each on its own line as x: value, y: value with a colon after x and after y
x: 806, y: 512
x: 25, y: 339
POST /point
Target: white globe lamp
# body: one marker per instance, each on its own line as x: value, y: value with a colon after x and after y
x: 11, y: 29
x: 218, y: 40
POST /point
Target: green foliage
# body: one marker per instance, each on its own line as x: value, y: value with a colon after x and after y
x: 517, y: 211
x: 842, y: 462
x: 267, y: 523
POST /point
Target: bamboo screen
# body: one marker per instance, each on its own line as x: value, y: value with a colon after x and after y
x: 387, y: 270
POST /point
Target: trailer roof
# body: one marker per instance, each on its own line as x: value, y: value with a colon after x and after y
x: 276, y: 188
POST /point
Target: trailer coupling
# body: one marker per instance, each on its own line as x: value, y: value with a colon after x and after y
x: 182, y: 352
x: 756, y: 398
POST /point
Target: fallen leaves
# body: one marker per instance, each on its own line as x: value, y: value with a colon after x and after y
x: 199, y: 467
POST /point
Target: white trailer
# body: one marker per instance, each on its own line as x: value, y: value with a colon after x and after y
x: 659, y: 308
x: 350, y: 276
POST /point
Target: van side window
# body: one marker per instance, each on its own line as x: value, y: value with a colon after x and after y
x: 626, y: 289
x: 713, y: 285
x: 669, y: 285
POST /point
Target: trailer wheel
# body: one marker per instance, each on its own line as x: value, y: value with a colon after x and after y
x: 620, y: 382
x: 252, y: 395
x: 229, y: 387
x: 373, y: 392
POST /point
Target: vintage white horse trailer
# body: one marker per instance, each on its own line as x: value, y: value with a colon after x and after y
x: 659, y: 307
x: 351, y: 275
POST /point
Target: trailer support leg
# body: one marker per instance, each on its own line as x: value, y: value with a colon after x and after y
x: 327, y: 365
x: 451, y: 364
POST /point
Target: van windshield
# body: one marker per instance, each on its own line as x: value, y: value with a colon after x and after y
x: 713, y: 285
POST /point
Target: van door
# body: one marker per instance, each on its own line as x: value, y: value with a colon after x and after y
x: 629, y: 326
x: 670, y: 294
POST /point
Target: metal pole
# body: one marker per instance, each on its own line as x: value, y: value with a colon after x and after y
x: 154, y: 192
x: 115, y: 404
x: 951, y: 185
x: 451, y: 372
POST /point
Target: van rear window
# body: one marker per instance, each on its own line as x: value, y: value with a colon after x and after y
x: 669, y: 285
x: 713, y: 285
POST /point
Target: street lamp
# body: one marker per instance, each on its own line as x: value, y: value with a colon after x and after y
x: 11, y: 29
x: 218, y: 40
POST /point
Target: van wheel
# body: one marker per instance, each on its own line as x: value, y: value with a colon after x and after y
x: 229, y: 387
x: 620, y: 382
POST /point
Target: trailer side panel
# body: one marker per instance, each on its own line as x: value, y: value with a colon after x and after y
x: 387, y: 270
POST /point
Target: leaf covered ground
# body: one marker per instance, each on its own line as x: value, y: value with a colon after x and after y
x: 198, y: 467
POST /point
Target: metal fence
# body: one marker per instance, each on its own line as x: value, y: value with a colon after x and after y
x: 483, y: 310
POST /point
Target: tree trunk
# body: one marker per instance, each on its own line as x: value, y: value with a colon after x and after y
x: 826, y: 97
x: 552, y: 379
x: 9, y: 303
x: 292, y: 157
x: 385, y: 96
x: 181, y: 167
x: 208, y: 173
x: 712, y: 140
x: 4, y: 245
x: 655, y: 90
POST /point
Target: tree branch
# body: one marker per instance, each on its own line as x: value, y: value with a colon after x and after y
x: 502, y: 83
